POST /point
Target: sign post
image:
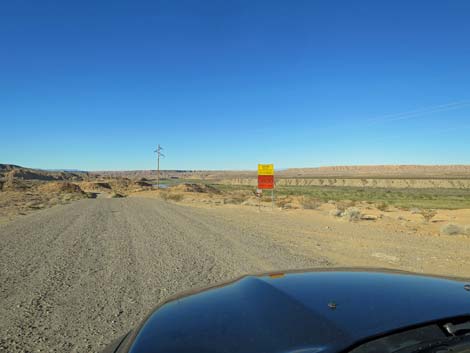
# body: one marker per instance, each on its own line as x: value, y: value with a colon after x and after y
x: 266, y: 179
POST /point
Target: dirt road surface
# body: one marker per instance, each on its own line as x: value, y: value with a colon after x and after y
x: 75, y: 277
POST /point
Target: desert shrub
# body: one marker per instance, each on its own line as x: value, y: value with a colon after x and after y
x: 428, y: 214
x: 37, y: 206
x: 467, y: 230
x: 288, y: 206
x: 352, y: 214
x: 117, y: 195
x: 176, y: 197
x: 310, y: 204
x: 336, y: 213
x: 167, y: 196
x: 382, y: 207
x: 282, y: 202
x: 53, y: 201
x: 343, y: 205
x: 234, y: 200
x: 452, y: 229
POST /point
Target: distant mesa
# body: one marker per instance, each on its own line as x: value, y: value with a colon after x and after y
x: 373, y: 171
x: 382, y: 171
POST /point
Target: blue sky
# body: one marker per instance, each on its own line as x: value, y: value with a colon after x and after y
x: 226, y: 84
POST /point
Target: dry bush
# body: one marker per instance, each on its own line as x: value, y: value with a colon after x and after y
x: 235, y: 200
x: 467, y: 230
x: 35, y: 205
x: 382, y: 207
x: 176, y: 197
x: 283, y: 201
x: 428, y: 214
x: 117, y: 195
x: 310, y: 204
x: 343, y: 205
x: 53, y: 201
x: 452, y: 229
x: 66, y: 197
x: 336, y: 213
x: 352, y: 214
x: 167, y: 196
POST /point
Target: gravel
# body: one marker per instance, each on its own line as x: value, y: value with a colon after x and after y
x: 75, y: 277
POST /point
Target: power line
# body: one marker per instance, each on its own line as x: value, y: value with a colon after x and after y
x: 159, y: 153
x: 420, y: 112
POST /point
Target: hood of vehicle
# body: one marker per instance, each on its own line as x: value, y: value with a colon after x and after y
x: 326, y: 311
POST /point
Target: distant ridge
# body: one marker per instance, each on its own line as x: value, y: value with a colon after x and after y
x: 359, y: 171
x: 7, y: 167
x: 65, y: 170
x: 457, y: 171
x: 383, y: 171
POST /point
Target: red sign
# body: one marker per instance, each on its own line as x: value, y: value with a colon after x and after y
x: 265, y: 181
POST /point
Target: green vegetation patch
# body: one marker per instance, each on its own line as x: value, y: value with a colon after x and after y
x: 403, y: 198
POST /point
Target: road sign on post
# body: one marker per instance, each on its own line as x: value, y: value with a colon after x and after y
x: 265, y: 169
x: 266, y: 179
x: 265, y: 176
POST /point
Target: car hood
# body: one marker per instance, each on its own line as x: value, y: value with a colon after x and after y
x: 321, y: 311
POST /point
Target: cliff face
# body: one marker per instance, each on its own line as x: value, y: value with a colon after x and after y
x: 382, y: 171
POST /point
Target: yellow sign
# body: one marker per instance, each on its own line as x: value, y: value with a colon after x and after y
x: 265, y: 169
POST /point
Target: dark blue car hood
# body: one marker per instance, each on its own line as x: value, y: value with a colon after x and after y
x: 326, y: 311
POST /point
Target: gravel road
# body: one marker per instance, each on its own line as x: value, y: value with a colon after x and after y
x: 75, y: 277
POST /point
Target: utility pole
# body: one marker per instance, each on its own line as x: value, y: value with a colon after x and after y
x: 159, y: 154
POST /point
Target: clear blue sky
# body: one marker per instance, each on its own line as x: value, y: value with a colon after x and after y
x: 226, y: 84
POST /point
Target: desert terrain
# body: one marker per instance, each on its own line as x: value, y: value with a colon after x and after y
x: 84, y: 256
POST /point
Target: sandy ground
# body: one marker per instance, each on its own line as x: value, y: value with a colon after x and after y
x: 75, y: 277
x: 397, y: 239
x: 394, y: 219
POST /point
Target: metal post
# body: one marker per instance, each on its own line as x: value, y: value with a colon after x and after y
x: 158, y: 171
x: 272, y: 198
x: 159, y: 154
